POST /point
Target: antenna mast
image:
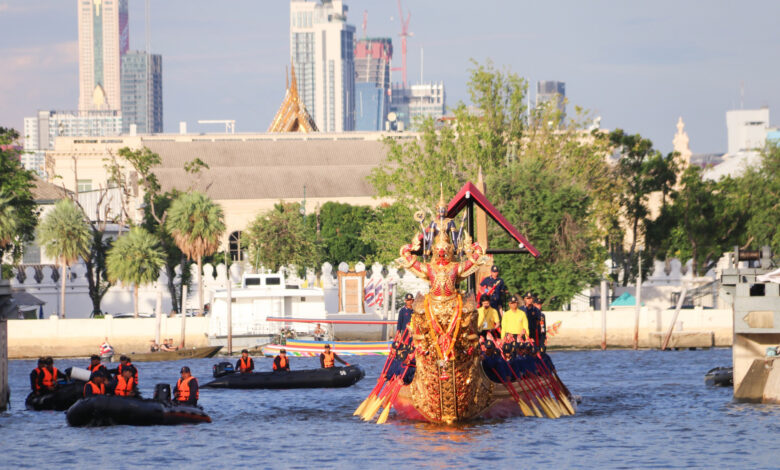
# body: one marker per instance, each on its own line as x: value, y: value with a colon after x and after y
x: 404, y: 34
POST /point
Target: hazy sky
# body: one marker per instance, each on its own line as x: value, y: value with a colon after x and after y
x: 638, y: 65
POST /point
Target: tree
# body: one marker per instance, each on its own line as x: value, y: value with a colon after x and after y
x: 759, y: 192
x: 64, y: 235
x: 16, y: 198
x: 389, y: 227
x: 642, y: 171
x: 280, y: 238
x: 196, y: 224
x: 135, y: 258
x: 341, y: 229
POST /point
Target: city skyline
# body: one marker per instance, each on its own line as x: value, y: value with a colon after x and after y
x: 639, y: 67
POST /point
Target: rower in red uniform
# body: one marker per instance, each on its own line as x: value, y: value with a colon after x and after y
x: 328, y: 358
x: 96, y: 384
x: 245, y: 363
x: 281, y: 362
x: 186, y: 390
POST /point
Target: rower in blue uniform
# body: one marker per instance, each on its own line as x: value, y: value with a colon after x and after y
x: 495, y: 288
x: 405, y: 314
x: 533, y: 315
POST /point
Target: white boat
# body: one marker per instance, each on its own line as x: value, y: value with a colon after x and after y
x: 259, y: 297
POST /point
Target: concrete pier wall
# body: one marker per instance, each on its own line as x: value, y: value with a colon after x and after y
x: 82, y: 337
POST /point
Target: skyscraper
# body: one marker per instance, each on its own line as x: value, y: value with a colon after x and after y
x: 103, y: 39
x: 142, y: 103
x: 552, y: 91
x: 372, y: 82
x: 321, y: 48
x: 420, y: 101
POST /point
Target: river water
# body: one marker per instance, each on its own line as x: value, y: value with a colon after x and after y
x: 639, y: 409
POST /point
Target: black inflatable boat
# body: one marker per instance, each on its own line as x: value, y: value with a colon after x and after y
x: 334, y: 377
x: 107, y: 410
x: 59, y: 400
x: 720, y: 377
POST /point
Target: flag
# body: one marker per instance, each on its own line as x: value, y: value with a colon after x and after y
x: 369, y: 291
x: 378, y: 294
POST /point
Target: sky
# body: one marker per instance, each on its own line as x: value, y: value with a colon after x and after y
x: 637, y: 65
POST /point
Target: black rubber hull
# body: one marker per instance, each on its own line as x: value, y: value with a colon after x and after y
x: 107, y: 410
x: 334, y: 377
x: 720, y: 377
x: 60, y: 400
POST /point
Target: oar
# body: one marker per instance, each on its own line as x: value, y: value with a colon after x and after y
x: 545, y: 396
x: 523, y: 406
x: 557, y: 384
x: 542, y: 403
x: 400, y: 383
x: 381, y: 380
x: 525, y: 392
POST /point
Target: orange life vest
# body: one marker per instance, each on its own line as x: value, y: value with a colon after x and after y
x: 183, y: 389
x: 96, y: 390
x: 96, y: 367
x: 124, y: 387
x: 49, y: 378
x: 282, y: 363
x: 244, y: 364
x: 330, y: 359
x: 38, y: 371
x: 119, y: 371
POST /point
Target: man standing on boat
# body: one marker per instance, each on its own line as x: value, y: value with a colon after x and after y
x: 328, y: 358
x: 281, y: 362
x: 245, y: 363
x: 495, y: 288
x: 515, y: 322
x: 533, y: 315
x: 541, y: 340
x: 186, y: 390
x: 405, y: 314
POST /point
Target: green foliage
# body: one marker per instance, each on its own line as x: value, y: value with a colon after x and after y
x: 389, y: 227
x: 18, y: 212
x: 280, y: 238
x: 759, y: 192
x: 64, y: 233
x: 554, y: 215
x: 341, y: 229
x: 135, y: 258
x: 196, y: 224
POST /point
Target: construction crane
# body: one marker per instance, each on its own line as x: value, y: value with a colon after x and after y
x: 230, y: 124
x: 404, y: 34
x: 365, y: 23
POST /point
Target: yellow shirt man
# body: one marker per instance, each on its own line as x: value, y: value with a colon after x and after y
x: 488, y: 318
x: 514, y: 322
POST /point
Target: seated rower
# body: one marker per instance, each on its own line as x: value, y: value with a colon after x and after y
x: 36, y: 377
x: 328, y: 358
x: 281, y: 362
x: 186, y: 390
x: 95, y: 364
x: 96, y: 384
x: 245, y: 363
x: 125, y: 383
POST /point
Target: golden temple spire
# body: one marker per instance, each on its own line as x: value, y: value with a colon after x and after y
x: 292, y: 115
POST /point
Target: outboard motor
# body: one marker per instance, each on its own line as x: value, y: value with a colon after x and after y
x: 222, y: 369
x: 162, y: 393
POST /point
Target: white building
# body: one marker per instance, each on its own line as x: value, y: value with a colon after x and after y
x: 103, y: 40
x: 322, y: 51
x: 747, y: 129
x: 420, y: 101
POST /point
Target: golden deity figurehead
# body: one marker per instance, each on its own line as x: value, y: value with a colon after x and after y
x: 442, y: 248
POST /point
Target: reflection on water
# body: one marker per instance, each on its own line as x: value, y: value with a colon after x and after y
x: 639, y: 409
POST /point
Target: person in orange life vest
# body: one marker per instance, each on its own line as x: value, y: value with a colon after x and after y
x: 328, y: 358
x: 245, y: 364
x: 36, y: 376
x: 281, y: 362
x: 96, y: 384
x: 186, y: 390
x: 125, y: 384
x: 50, y: 375
x: 124, y: 362
x: 95, y: 364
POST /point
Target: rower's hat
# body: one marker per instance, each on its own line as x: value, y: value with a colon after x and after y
x: 408, y: 297
x: 130, y: 369
x: 244, y: 351
x: 529, y: 295
x: 494, y: 269
x: 513, y: 299
x: 282, y: 351
x: 94, y: 357
x: 327, y: 346
x: 489, y: 344
x: 184, y: 369
x: 484, y: 298
x: 124, y: 358
x: 97, y: 373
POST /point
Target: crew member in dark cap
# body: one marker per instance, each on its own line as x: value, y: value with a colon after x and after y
x: 245, y: 364
x: 487, y: 319
x: 96, y: 384
x: 405, y: 314
x: 541, y: 340
x: 186, y: 390
x: 125, y: 384
x: 495, y: 288
x: 532, y: 313
x: 36, y: 377
x: 124, y: 362
x: 328, y: 358
x: 281, y: 362
x: 95, y: 364
x: 515, y: 322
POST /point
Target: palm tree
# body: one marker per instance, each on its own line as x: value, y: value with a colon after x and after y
x: 64, y: 236
x: 196, y: 224
x: 136, y: 258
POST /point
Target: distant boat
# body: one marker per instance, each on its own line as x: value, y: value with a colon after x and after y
x: 187, y: 353
x: 309, y: 348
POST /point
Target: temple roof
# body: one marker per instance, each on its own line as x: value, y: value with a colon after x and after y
x: 292, y: 115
